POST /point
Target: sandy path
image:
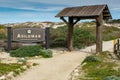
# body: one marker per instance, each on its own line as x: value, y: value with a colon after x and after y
x: 60, y: 66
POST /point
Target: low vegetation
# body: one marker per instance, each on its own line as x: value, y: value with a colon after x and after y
x: 13, y: 67
x: 108, y: 33
x: 114, y: 21
x: 27, y: 51
x: 84, y: 35
x: 2, y: 32
x: 2, y: 36
x: 99, y: 67
x: 10, y: 70
x: 81, y: 37
x: 30, y: 51
x: 58, y: 36
x: 46, y: 53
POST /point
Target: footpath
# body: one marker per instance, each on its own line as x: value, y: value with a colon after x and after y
x: 61, y: 65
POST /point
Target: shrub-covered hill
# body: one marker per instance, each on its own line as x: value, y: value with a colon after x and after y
x: 109, y: 32
x: 81, y: 37
x: 114, y: 21
x: 84, y: 33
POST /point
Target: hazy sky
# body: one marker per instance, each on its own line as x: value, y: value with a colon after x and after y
x: 12, y: 11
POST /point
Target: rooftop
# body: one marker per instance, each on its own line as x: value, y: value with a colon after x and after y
x: 86, y: 11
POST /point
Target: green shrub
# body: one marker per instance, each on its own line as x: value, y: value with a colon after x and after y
x: 30, y: 51
x: 59, y: 42
x: 58, y: 36
x: 2, y: 36
x: 114, y: 21
x: 2, y: 32
x: 2, y: 27
x: 26, y: 51
x: 6, y: 68
x: 81, y: 37
x: 91, y: 58
x: 110, y: 33
x: 46, y: 53
x: 112, y: 78
x: 101, y: 73
x: 99, y: 67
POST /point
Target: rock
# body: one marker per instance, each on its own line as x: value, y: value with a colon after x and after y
x: 76, y: 72
x: 36, y: 57
x: 10, y: 59
x: 22, y: 60
x: 2, y: 77
x: 10, y: 76
x: 24, y: 67
x: 4, y: 55
x: 29, y: 64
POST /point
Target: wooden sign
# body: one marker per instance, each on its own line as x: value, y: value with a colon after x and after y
x: 29, y: 34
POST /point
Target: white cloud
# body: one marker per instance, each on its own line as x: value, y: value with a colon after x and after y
x: 77, y: 2
x: 50, y: 5
x: 115, y: 9
x: 42, y: 9
x: 30, y: 4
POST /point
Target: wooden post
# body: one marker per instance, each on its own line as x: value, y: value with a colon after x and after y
x: 70, y: 23
x: 70, y: 34
x: 99, y: 22
x: 9, y: 33
x: 47, y: 38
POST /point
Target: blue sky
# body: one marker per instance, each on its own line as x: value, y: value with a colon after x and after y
x: 12, y: 11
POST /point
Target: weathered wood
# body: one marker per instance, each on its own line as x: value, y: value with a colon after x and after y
x: 78, y: 19
x: 70, y: 34
x: 84, y: 11
x: 86, y: 17
x: 47, y: 38
x: 70, y: 25
x: 74, y: 14
x: 62, y: 18
x: 99, y: 22
x: 107, y: 15
x: 105, y: 11
x: 9, y: 38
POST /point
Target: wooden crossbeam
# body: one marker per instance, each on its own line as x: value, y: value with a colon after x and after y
x: 62, y: 18
x: 106, y: 15
x: 76, y: 21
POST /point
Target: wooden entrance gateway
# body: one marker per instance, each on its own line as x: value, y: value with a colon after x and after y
x: 75, y: 14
